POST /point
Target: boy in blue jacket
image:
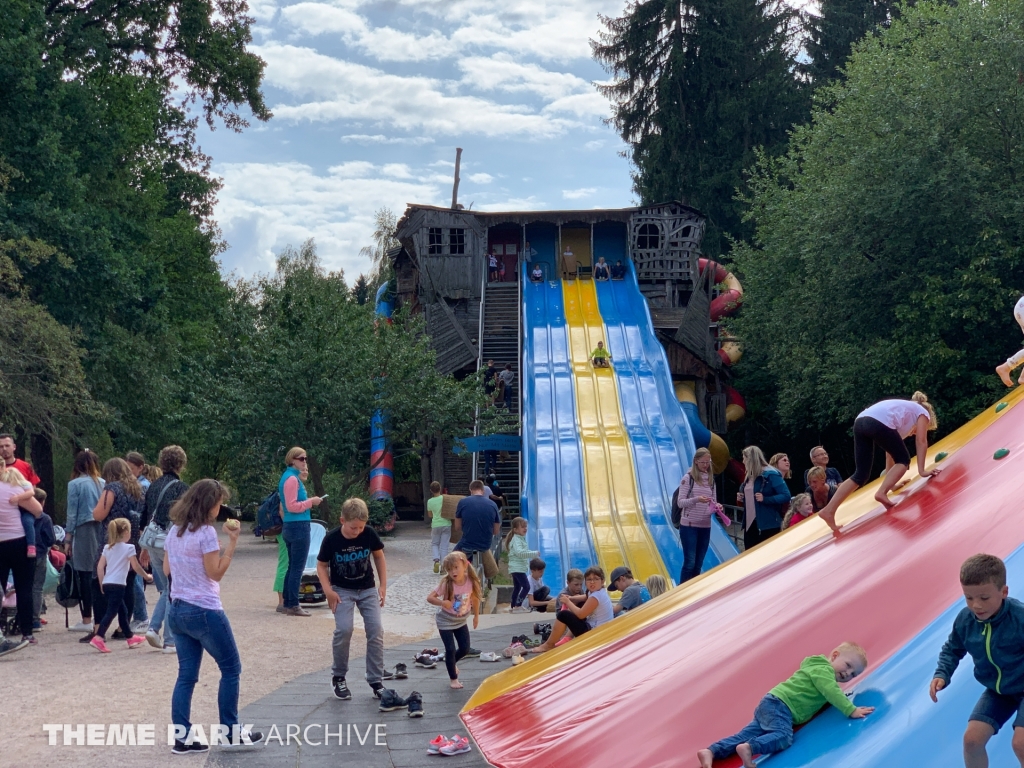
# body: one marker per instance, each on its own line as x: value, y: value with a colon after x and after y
x: 991, y: 629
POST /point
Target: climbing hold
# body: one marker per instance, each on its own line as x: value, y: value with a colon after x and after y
x: 1001, y: 406
x: 940, y: 456
x: 1001, y: 453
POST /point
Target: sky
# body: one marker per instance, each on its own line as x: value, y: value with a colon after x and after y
x: 371, y: 98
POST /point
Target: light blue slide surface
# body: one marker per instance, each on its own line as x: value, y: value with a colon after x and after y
x: 552, y: 495
x: 660, y: 434
x: 906, y: 728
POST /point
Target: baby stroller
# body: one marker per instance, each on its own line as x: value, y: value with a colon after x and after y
x: 310, y: 590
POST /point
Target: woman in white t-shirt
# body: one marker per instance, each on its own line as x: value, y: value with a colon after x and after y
x: 886, y: 424
x: 195, y: 564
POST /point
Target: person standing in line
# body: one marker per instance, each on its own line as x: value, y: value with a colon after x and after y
x: 696, y: 497
x: 83, y: 533
x: 7, y: 449
x: 156, y: 512
x: 819, y: 458
x: 492, y: 266
x: 14, y: 553
x: 295, y: 506
x: 764, y: 496
x: 195, y: 566
x: 140, y: 617
x: 117, y: 559
x: 345, y: 566
x: 528, y: 252
x: 886, y: 424
x: 507, y: 377
x: 568, y: 263
x: 1004, y: 369
x: 440, y: 528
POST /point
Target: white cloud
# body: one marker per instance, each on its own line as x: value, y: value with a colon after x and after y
x: 595, y: 144
x: 590, y: 104
x: 501, y: 72
x: 480, y: 178
x: 380, y: 138
x: 578, y: 194
x: 531, y: 203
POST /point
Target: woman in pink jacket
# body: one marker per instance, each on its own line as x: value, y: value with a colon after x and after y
x: 696, y: 499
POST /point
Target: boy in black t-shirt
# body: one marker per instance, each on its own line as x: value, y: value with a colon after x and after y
x: 346, y: 576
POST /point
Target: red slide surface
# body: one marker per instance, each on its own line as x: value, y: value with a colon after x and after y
x: 643, y: 692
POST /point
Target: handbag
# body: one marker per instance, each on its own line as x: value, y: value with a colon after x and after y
x: 154, y: 536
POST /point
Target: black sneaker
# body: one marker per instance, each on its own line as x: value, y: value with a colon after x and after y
x: 118, y: 634
x: 538, y: 628
x: 378, y: 689
x: 400, y: 671
x: 472, y: 653
x: 425, y: 662
x: 88, y: 637
x: 10, y: 646
x: 246, y: 738
x: 341, y: 690
x: 385, y: 675
x: 181, y: 748
x: 545, y: 634
x: 390, y: 701
x: 415, y: 702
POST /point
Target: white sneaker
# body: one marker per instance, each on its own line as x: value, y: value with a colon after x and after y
x: 139, y: 627
x: 170, y: 649
x: 154, y: 639
x: 80, y: 627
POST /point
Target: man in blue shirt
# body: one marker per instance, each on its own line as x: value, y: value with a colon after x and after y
x: 477, y: 520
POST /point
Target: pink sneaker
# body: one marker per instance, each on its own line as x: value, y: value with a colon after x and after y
x: 135, y: 641
x: 456, y: 746
x: 31, y: 550
x: 434, y: 747
x: 99, y: 645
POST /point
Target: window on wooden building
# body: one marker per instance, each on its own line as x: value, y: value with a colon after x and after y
x: 435, y: 242
x: 648, y: 237
x: 456, y: 241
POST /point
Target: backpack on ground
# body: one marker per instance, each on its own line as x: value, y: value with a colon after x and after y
x: 268, y: 516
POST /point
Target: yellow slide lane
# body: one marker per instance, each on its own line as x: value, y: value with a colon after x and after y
x: 617, y: 524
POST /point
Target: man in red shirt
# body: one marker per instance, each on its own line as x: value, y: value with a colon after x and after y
x: 7, y: 447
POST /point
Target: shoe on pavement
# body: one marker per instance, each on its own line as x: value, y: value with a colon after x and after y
x: 139, y: 627
x: 538, y: 628
x: 169, y: 649
x: 386, y: 675
x: 378, y: 689
x: 154, y: 639
x: 30, y: 639
x: 434, y: 747
x: 390, y: 701
x: 87, y: 638
x: 415, y: 702
x: 10, y: 646
x: 401, y: 671
x: 426, y: 652
x: 135, y: 641
x: 281, y: 608
x: 519, y: 609
x: 81, y: 627
x: 517, y: 660
x: 425, y: 662
x: 490, y: 656
x: 181, y: 748
x: 98, y: 644
x: 513, y: 650
x: 437, y: 566
x: 456, y: 746
x: 246, y: 738
x: 117, y: 634
x: 471, y: 653
x: 341, y: 690
x: 297, y: 611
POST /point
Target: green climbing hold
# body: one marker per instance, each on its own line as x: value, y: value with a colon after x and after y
x: 1001, y: 406
x: 941, y: 456
x: 1001, y: 453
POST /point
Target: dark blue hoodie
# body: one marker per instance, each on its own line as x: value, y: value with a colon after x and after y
x: 996, y: 645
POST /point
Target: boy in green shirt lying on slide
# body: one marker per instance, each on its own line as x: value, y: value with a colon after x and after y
x: 793, y: 702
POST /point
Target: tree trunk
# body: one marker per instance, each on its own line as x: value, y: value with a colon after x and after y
x: 42, y: 463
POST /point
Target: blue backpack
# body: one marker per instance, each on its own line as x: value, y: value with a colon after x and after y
x: 268, y: 517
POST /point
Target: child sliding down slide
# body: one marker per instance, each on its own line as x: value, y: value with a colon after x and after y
x: 1013, y: 361
x: 793, y: 702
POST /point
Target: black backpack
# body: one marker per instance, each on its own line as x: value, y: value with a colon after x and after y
x: 68, y: 588
x: 268, y: 517
x: 677, y: 510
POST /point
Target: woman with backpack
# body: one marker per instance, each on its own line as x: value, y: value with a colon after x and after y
x: 764, y: 497
x: 696, y: 500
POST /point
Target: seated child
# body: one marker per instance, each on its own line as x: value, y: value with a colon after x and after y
x: 573, y: 591
x: 991, y: 629
x: 1014, y: 360
x: 656, y: 585
x: 618, y: 271
x: 537, y: 275
x: 578, y: 620
x: 634, y: 593
x: 601, y: 270
x: 539, y: 596
x: 600, y: 356
x: 793, y: 702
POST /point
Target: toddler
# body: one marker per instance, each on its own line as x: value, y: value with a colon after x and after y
x: 799, y: 509
x: 991, y: 629
x: 1014, y: 360
x: 458, y: 593
x: 793, y: 702
x: 519, y: 554
x: 112, y: 573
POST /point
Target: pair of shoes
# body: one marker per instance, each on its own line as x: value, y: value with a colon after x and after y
x: 426, y: 652
x: 456, y: 745
x: 88, y: 638
x: 181, y: 748
x: 526, y: 642
x: 390, y: 701
x: 10, y: 646
x: 471, y: 653
x: 154, y: 639
x: 135, y: 641
x: 341, y: 690
x: 246, y: 738
x: 437, y: 566
x: 169, y: 649
x: 296, y: 611
x: 490, y: 656
x: 426, y: 661
x: 98, y: 644
x: 519, y: 609
x: 415, y: 704
x: 538, y: 628
x: 281, y: 608
x: 515, y: 649
x: 81, y: 627
x: 378, y: 689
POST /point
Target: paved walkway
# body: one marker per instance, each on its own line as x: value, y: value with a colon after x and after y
x: 389, y: 739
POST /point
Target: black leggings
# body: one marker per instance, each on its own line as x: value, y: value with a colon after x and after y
x: 520, y: 589
x: 14, y: 559
x: 867, y: 433
x: 99, y: 599
x: 115, y: 595
x: 452, y: 654
x: 85, y: 594
x: 573, y: 623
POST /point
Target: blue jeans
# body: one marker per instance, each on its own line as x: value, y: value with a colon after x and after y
x: 140, y: 613
x: 195, y: 630
x: 770, y: 731
x: 695, y: 543
x: 156, y: 621
x: 296, y: 539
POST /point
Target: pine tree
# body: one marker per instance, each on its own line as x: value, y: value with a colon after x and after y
x: 842, y: 23
x: 361, y: 291
x: 697, y: 87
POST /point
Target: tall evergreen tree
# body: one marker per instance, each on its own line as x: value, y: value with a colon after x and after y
x: 697, y: 87
x: 361, y: 291
x: 841, y: 23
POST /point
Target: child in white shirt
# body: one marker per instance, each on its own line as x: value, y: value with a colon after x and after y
x: 112, y: 571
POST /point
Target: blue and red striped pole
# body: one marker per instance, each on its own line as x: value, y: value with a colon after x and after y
x: 382, y: 474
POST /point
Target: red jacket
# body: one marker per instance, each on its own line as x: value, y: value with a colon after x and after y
x: 26, y: 470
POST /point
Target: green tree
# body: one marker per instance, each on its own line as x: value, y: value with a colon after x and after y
x: 361, y: 291
x: 841, y: 23
x: 385, y: 224
x: 888, y: 250
x: 696, y: 88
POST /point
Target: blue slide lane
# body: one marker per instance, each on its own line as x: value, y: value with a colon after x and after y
x: 552, y: 496
x: 906, y: 728
x: 659, y: 431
